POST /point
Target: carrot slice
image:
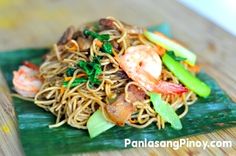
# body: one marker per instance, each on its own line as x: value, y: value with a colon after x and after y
x: 98, y: 43
x: 161, y: 51
x: 62, y: 90
x: 72, y: 45
x: 195, y: 68
x: 78, y: 76
x: 81, y: 75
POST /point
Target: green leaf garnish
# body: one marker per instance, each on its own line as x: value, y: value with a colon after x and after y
x: 176, y: 58
x: 102, y: 37
x: 107, y: 47
x: 92, y: 69
x: 88, y: 32
x: 70, y: 71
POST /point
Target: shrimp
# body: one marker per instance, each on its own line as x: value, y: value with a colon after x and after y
x: 26, y: 80
x: 144, y: 66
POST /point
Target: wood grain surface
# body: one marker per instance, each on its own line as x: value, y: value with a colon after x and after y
x: 25, y: 23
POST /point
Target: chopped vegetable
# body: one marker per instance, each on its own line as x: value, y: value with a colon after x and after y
x: 107, y: 47
x: 176, y: 58
x: 194, y: 69
x: 67, y: 78
x: 97, y: 124
x: 161, y: 51
x: 78, y: 76
x: 72, y: 46
x: 171, y: 45
x: 102, y: 37
x: 99, y: 43
x: 92, y: 69
x: 188, y: 79
x: 165, y: 111
x: 70, y: 71
x: 62, y: 90
x: 87, y: 32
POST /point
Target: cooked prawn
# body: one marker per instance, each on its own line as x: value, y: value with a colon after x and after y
x: 143, y: 65
x: 26, y: 80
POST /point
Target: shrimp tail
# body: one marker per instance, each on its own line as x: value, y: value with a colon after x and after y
x: 169, y: 88
x: 31, y: 65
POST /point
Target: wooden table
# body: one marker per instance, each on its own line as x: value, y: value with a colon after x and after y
x: 40, y: 23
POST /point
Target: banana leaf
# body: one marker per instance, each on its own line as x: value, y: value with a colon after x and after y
x: 216, y: 112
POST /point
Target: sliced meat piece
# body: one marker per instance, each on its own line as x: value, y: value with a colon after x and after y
x: 108, y: 23
x: 84, y: 44
x: 120, y: 110
x: 67, y: 35
x: 135, y: 94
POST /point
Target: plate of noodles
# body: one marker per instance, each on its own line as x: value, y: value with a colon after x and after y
x: 106, y: 81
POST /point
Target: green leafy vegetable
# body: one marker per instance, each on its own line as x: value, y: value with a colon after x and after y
x: 102, y: 37
x: 92, y: 69
x: 188, y: 79
x: 70, y: 71
x: 165, y: 110
x: 170, y: 45
x: 176, y: 58
x: 107, y: 47
x: 88, y: 32
x: 97, y: 124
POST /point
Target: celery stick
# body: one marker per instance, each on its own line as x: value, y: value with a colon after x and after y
x: 188, y: 79
x: 97, y: 124
x: 172, y: 46
x: 165, y: 111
